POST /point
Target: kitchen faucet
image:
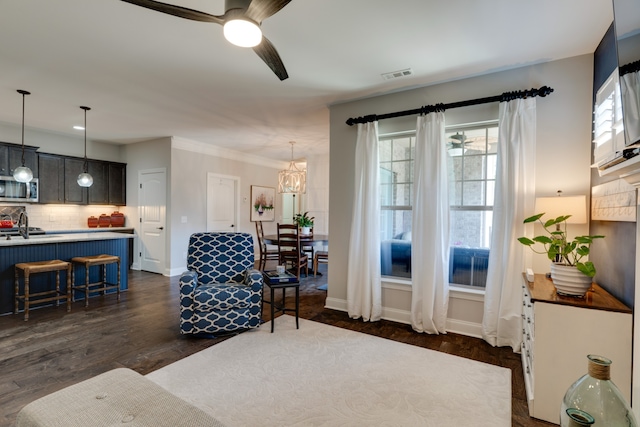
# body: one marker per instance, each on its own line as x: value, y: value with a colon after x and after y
x: 23, y: 225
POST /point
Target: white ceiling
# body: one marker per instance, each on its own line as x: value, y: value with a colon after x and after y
x: 146, y: 74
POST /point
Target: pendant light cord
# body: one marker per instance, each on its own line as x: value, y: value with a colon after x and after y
x: 86, y: 163
x: 23, y: 92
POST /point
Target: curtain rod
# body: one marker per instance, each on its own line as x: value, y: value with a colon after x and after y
x: 631, y: 67
x: 506, y: 96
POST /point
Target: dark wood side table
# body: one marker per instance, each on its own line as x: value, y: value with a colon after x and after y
x: 281, y: 281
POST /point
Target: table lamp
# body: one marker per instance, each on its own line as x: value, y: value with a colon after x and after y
x: 560, y: 205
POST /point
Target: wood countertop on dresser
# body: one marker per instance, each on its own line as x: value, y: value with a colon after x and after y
x: 542, y: 289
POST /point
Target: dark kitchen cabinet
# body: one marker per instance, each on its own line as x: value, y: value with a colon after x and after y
x: 98, y: 193
x: 117, y: 184
x: 59, y: 181
x: 51, y: 170
x: 73, y: 193
x: 4, y: 160
x: 11, y: 158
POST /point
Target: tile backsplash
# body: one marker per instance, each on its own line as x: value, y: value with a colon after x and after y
x: 68, y: 217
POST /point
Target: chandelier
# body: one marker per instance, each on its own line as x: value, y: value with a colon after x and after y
x: 292, y: 180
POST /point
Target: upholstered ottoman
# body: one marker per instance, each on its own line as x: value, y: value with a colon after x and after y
x: 117, y: 397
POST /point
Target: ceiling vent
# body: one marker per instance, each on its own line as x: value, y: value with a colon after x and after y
x: 397, y: 74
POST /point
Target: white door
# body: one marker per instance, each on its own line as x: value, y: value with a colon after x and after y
x: 222, y: 202
x: 290, y: 207
x: 152, y: 197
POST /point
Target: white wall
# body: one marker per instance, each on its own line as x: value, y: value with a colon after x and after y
x: 563, y: 156
x: 317, y: 197
x: 190, y: 164
x: 152, y: 154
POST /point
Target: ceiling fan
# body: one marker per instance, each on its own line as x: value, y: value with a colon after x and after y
x: 458, y: 139
x: 456, y: 144
x: 242, y: 19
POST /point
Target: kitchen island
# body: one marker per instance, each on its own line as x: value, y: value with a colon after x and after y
x: 57, y: 246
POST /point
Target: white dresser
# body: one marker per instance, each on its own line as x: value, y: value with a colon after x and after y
x: 558, y: 334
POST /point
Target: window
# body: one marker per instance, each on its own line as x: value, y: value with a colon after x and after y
x: 473, y: 153
x: 608, y: 130
x: 473, y: 160
x: 396, y: 191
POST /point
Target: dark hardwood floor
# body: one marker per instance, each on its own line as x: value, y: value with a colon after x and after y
x: 55, y: 349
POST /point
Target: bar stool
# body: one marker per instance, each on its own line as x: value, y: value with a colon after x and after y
x: 29, y: 268
x: 101, y: 286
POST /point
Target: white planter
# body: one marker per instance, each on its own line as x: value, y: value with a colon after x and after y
x: 305, y: 231
x: 569, y: 281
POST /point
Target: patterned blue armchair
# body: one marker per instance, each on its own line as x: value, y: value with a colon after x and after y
x: 221, y: 291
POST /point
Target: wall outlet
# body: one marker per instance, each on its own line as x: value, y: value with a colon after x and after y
x: 183, y: 219
x: 530, y: 276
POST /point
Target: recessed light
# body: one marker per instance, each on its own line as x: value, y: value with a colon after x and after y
x: 78, y: 127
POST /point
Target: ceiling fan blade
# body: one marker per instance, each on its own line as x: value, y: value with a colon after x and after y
x: 181, y: 12
x: 269, y: 55
x: 260, y: 10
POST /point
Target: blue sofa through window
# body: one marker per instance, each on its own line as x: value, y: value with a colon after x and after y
x: 467, y: 266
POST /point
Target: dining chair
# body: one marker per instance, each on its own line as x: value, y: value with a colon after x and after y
x: 321, y: 257
x: 290, y: 248
x: 266, y: 254
x: 306, y: 240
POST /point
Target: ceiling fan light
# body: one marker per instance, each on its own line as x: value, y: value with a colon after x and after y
x: 242, y: 32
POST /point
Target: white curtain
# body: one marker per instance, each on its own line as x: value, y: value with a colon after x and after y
x: 514, y: 201
x: 630, y: 88
x: 430, y: 228
x: 364, y: 287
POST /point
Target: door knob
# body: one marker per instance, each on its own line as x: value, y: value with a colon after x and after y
x: 160, y: 228
x: 231, y: 225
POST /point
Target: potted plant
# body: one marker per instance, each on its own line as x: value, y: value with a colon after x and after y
x: 304, y: 222
x: 569, y: 274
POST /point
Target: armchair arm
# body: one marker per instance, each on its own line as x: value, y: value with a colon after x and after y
x: 188, y: 282
x: 254, y: 279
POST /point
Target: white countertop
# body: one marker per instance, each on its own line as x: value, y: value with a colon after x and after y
x: 63, y: 238
x: 90, y: 230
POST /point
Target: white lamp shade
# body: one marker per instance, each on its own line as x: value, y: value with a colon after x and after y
x: 85, y: 180
x: 242, y: 32
x: 553, y: 207
x: 22, y: 174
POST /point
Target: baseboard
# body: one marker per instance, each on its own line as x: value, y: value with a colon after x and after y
x: 462, y: 327
x: 336, y: 304
x: 455, y: 326
x: 175, y: 271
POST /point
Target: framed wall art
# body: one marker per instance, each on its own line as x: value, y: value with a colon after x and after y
x: 263, y: 203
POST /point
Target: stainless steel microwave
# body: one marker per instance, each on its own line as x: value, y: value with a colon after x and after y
x: 14, y: 191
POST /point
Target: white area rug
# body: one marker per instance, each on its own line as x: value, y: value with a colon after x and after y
x: 321, y: 375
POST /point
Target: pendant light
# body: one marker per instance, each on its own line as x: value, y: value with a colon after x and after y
x: 84, y: 179
x: 23, y: 173
x: 292, y: 180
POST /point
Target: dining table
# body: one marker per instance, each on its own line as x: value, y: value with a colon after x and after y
x: 313, y: 239
x: 309, y: 240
